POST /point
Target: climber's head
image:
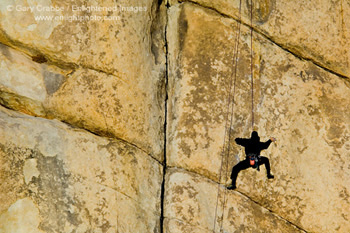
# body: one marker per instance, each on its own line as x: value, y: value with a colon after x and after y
x: 255, y: 136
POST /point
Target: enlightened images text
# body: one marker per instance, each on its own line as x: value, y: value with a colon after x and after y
x: 118, y: 8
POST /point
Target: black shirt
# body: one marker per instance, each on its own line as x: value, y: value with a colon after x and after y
x: 253, y: 146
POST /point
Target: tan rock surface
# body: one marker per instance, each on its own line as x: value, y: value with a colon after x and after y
x: 317, y: 30
x: 21, y: 217
x: 74, y: 181
x: 86, y: 98
x: 107, y: 105
x: 109, y: 76
x: 190, y: 206
x: 302, y: 105
x: 61, y: 36
x: 126, y: 46
x: 24, y: 84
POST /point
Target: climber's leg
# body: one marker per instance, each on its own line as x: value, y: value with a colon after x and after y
x: 235, y: 170
x: 264, y: 160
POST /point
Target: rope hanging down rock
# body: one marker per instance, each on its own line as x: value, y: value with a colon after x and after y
x: 251, y: 61
x: 231, y: 99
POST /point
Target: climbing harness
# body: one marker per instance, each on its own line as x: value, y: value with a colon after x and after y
x: 254, y: 160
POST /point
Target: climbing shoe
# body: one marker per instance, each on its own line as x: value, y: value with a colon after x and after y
x: 231, y: 187
x: 269, y: 176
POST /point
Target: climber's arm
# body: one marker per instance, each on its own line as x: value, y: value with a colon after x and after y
x: 266, y: 144
x: 241, y: 141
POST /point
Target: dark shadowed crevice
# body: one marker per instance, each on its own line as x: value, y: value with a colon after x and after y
x: 162, y: 197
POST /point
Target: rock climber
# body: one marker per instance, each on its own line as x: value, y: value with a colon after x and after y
x: 253, y: 147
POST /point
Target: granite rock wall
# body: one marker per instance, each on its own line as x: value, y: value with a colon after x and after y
x: 296, y: 99
x: 120, y: 116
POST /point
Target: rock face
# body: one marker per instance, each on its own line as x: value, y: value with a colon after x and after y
x: 120, y: 116
x: 316, y: 30
x: 185, y: 197
x: 120, y: 59
x: 58, y: 179
x: 301, y: 104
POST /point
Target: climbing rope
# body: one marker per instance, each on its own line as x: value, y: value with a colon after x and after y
x: 251, y: 61
x: 231, y: 99
x: 231, y: 122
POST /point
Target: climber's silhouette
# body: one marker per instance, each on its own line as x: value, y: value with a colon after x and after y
x: 253, y: 147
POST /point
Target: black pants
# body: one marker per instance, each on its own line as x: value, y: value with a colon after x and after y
x: 244, y: 164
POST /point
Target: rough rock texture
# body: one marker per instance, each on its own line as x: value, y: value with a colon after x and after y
x: 191, y: 208
x: 125, y: 123
x: 119, y: 60
x: 317, y: 30
x: 25, y: 85
x: 301, y: 104
x: 58, y: 179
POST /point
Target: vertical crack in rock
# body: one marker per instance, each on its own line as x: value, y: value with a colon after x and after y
x: 165, y: 123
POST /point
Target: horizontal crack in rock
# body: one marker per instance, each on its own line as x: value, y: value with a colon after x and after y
x: 283, y: 47
x: 274, y: 213
x: 241, y: 193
